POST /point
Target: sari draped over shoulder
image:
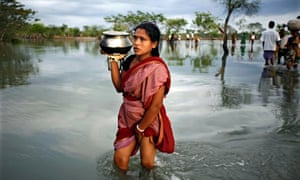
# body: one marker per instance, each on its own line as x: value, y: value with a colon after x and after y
x: 138, y: 85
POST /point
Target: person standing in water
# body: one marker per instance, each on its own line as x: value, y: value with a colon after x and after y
x: 252, y: 39
x: 282, y: 52
x: 270, y: 39
x: 144, y: 80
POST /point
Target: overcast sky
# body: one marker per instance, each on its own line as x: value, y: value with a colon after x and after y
x: 77, y: 13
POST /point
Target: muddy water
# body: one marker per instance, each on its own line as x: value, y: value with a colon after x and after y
x: 232, y: 118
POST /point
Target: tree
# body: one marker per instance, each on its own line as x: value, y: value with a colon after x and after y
x: 64, y: 28
x: 255, y: 27
x: 206, y: 23
x: 248, y: 7
x: 175, y: 25
x: 54, y: 31
x: 94, y: 31
x: 38, y: 28
x: 75, y: 31
x: 13, y: 17
x: 129, y: 21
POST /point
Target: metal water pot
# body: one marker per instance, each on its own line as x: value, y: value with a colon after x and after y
x: 294, y: 24
x: 115, y: 42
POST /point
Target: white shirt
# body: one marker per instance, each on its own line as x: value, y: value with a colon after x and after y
x: 270, y: 37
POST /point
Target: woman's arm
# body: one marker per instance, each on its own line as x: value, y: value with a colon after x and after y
x: 115, y: 71
x: 115, y: 75
x: 154, y: 108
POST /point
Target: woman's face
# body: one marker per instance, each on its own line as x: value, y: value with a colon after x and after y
x: 142, y: 44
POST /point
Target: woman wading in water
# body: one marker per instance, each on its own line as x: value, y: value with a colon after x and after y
x: 144, y: 80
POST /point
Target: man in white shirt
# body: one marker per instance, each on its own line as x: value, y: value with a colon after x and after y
x: 270, y: 39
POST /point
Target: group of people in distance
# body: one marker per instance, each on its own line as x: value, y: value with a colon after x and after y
x: 281, y: 44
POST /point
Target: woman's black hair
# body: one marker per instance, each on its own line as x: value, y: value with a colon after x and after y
x: 153, y: 32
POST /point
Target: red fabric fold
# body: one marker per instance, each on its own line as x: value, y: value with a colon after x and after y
x: 167, y: 144
x: 164, y: 139
x: 153, y: 59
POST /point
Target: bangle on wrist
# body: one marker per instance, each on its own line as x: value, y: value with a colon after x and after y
x: 139, y: 129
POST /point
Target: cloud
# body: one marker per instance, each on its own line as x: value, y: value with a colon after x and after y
x: 279, y: 7
x: 78, y: 13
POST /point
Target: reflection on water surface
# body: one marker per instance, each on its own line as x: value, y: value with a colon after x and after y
x: 232, y: 118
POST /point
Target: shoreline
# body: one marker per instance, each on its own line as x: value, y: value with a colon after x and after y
x: 75, y: 38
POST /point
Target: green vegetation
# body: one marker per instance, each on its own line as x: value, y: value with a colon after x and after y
x: 207, y: 24
x: 18, y: 22
x: 39, y: 30
x: 175, y: 25
x: 13, y: 18
x: 247, y: 7
x: 127, y: 22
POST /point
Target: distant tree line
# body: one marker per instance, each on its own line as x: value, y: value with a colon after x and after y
x: 39, y: 30
x: 18, y: 22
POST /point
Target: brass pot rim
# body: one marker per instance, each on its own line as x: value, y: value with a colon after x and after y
x: 115, y: 33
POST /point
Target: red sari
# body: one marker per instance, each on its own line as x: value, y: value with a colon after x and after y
x: 138, y: 85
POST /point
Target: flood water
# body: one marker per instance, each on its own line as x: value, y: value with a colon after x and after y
x: 232, y: 118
